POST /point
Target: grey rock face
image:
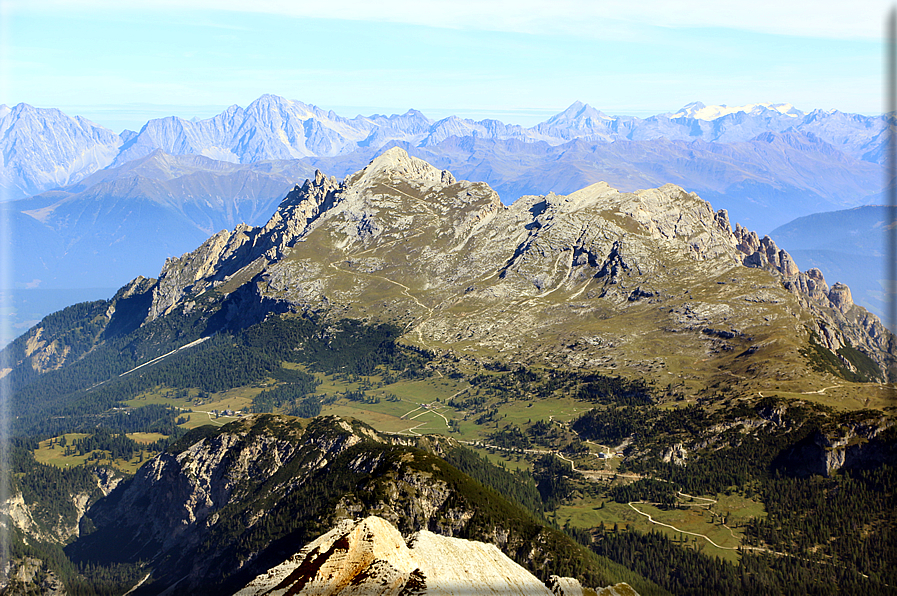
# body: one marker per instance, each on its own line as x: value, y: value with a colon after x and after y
x: 855, y: 446
x: 765, y: 254
x: 840, y: 297
x: 370, y: 556
x: 429, y: 246
x: 29, y: 575
x: 34, y: 520
x: 838, y: 322
x: 180, y: 496
x: 812, y: 284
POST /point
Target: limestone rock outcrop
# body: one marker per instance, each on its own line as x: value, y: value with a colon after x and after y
x: 861, y: 444
x: 370, y: 556
x: 59, y: 524
x: 29, y: 575
x: 840, y: 297
x: 837, y: 321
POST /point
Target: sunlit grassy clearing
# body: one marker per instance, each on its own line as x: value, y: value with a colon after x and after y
x: 588, y: 513
x: 51, y: 453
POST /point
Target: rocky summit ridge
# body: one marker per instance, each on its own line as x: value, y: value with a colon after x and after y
x: 370, y: 556
x: 568, y: 279
x: 654, y: 282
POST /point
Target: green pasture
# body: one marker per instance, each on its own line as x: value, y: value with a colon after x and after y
x: 237, y: 398
x: 424, y: 391
x: 388, y: 415
x: 698, y: 517
x: 842, y: 395
x: 379, y: 421
x: 51, y: 453
x: 511, y: 461
x: 562, y: 409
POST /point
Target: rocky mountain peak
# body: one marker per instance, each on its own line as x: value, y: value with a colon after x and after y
x: 578, y: 112
x: 370, y: 556
x: 296, y: 212
x: 812, y: 284
x: 396, y: 165
x: 427, y: 245
x: 267, y: 105
x: 765, y: 253
x: 840, y: 297
x: 688, y: 109
x: 45, y: 148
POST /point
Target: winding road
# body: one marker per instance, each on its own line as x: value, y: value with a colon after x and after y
x: 704, y: 536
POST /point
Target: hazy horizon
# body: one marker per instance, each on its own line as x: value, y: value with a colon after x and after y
x: 120, y: 66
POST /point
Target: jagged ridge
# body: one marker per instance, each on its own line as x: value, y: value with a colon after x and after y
x: 401, y: 240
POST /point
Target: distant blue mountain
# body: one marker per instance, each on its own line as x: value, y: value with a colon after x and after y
x: 123, y: 222
x: 45, y: 149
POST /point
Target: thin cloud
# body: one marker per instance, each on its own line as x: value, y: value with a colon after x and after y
x: 827, y: 19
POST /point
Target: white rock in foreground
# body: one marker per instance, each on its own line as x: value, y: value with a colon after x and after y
x: 370, y: 557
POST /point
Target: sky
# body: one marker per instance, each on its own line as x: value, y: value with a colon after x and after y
x: 122, y: 63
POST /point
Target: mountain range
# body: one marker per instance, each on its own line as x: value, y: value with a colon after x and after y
x: 103, y: 208
x: 44, y: 148
x: 836, y: 158
x: 404, y: 242
x: 325, y: 360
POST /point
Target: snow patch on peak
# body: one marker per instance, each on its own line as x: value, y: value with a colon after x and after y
x: 699, y: 111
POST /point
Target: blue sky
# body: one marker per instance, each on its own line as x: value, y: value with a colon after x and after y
x: 518, y: 61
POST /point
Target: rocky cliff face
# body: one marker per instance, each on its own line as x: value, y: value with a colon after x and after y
x: 211, y: 473
x: 866, y: 443
x: 28, y: 575
x: 405, y: 242
x: 370, y: 556
x: 59, y: 524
